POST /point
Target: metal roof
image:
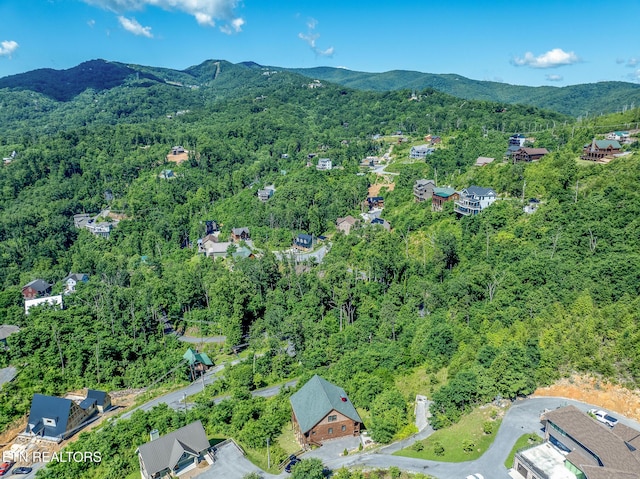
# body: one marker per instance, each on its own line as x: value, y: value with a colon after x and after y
x: 165, y: 452
x: 317, y: 398
x: 49, y: 407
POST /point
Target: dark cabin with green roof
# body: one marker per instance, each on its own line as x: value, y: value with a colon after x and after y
x: 322, y: 411
x: 198, y: 362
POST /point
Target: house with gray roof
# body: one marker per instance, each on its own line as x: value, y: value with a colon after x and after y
x: 36, y: 289
x: 423, y: 190
x: 322, y: 411
x: 577, y: 446
x: 420, y: 151
x: 473, y: 200
x: 72, y: 280
x: 175, y: 453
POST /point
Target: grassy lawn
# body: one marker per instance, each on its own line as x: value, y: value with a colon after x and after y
x: 419, y: 382
x: 287, y: 440
x: 523, y: 441
x: 467, y: 434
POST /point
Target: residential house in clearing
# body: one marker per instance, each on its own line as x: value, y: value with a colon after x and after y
x: 473, y: 200
x: 420, y: 151
x: 322, y: 411
x: 303, y: 242
x: 423, y: 190
x: 516, y: 142
x: 597, y: 150
x: 54, y: 418
x: 240, y: 234
x: 266, y: 193
x: 324, y: 164
x: 175, y: 453
x: 529, y: 154
x: 37, y: 288
x: 620, y: 136
x: 72, y: 280
x: 178, y: 154
x: 198, y: 362
x: 346, y: 224
x: 95, y: 224
x: 578, y: 447
x: 213, y: 248
x: 381, y: 222
x: 441, y: 196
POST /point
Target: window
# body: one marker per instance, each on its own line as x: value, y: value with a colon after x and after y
x: 49, y: 422
x: 344, y: 428
x: 330, y: 430
x: 332, y: 418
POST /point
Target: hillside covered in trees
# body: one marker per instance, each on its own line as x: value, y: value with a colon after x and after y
x: 484, y: 306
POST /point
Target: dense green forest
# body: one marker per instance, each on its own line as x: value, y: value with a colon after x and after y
x: 496, y: 304
x: 584, y: 100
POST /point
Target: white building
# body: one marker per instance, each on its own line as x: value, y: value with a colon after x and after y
x: 51, y: 300
x: 324, y: 164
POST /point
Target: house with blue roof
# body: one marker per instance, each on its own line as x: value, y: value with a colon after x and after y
x: 303, y: 242
x: 54, y: 418
x: 322, y: 411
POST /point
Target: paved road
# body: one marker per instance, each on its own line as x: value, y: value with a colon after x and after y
x: 210, y: 339
x: 317, y: 255
x: 176, y: 399
x: 523, y: 417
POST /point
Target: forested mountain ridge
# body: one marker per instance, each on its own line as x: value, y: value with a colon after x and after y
x: 575, y: 100
x: 224, y: 79
x: 479, y: 306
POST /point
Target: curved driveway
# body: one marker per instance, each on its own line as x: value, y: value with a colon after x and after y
x: 521, y: 418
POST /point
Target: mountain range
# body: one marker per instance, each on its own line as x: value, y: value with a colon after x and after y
x: 223, y: 79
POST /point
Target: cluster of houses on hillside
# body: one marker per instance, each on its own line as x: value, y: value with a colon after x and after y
x: 467, y: 202
x: 38, y: 291
x: 214, y: 246
x: 320, y: 411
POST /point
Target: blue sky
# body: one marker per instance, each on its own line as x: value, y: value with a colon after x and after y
x: 528, y: 43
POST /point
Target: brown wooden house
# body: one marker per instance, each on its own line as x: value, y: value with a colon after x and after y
x: 599, y: 149
x: 322, y: 411
x: 529, y: 154
x: 240, y: 234
x: 441, y: 196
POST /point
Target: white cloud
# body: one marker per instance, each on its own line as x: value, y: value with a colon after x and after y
x: 554, y: 77
x: 91, y: 23
x: 204, y: 11
x: 551, y: 59
x: 235, y: 26
x: 310, y: 37
x: 131, y: 25
x: 633, y: 62
x: 7, y: 47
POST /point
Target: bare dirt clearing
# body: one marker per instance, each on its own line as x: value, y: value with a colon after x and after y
x: 597, y: 392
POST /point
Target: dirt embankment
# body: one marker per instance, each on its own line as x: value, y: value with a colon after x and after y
x: 597, y: 392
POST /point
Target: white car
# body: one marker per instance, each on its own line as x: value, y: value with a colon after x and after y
x: 477, y: 475
x: 603, y: 417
